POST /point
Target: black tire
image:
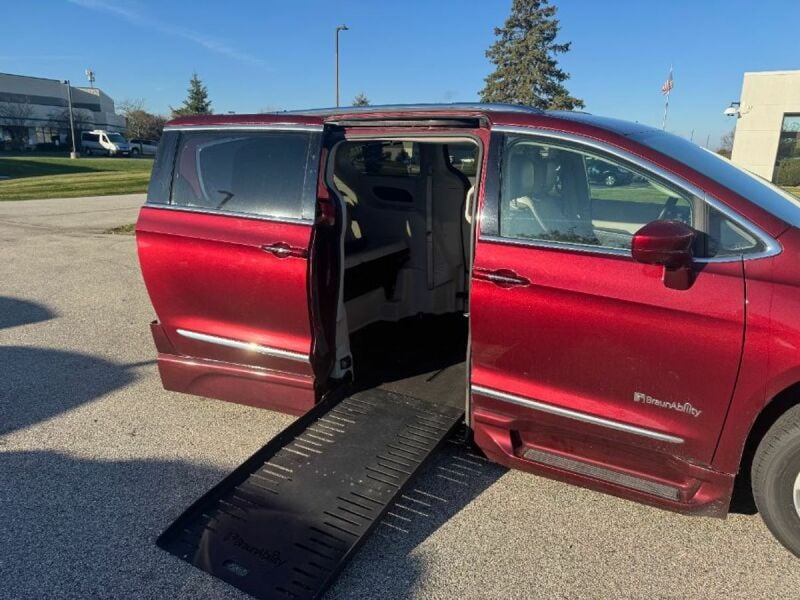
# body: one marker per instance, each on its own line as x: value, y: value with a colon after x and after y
x: 135, y: 152
x: 776, y: 468
x: 88, y: 152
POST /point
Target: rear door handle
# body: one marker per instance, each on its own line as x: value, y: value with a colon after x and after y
x: 284, y: 250
x: 503, y: 277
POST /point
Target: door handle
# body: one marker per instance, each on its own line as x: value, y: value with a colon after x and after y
x: 284, y: 250
x: 502, y: 277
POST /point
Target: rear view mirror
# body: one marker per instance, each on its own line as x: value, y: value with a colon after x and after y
x: 669, y: 244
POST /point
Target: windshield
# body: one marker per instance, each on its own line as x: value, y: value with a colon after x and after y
x: 759, y: 191
x: 116, y: 138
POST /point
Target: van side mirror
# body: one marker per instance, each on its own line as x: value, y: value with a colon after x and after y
x: 666, y: 243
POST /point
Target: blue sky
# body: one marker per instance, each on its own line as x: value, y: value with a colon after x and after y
x: 255, y: 55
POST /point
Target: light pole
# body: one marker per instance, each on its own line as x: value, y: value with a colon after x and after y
x: 338, y: 29
x: 74, y: 153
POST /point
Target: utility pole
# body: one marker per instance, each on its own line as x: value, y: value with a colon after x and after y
x: 74, y: 153
x: 342, y: 27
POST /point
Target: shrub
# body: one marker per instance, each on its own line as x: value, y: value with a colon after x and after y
x: 789, y: 172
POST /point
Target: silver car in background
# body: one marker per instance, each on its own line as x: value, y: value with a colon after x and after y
x: 140, y: 147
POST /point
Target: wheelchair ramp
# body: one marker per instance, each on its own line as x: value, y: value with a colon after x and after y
x: 286, y: 522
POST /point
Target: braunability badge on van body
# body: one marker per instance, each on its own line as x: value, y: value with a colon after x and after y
x: 686, y: 407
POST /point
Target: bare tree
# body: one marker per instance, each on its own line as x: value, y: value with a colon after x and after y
x: 140, y: 123
x: 726, y: 144
x: 16, y: 117
x: 130, y: 105
x: 82, y: 120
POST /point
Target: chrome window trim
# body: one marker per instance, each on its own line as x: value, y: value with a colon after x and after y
x: 228, y: 213
x: 619, y: 252
x: 239, y: 345
x: 576, y: 415
x: 245, y: 127
x: 771, y: 246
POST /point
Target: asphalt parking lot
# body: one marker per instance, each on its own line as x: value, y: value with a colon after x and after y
x: 96, y: 460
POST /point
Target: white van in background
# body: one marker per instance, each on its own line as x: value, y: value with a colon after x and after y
x: 99, y: 141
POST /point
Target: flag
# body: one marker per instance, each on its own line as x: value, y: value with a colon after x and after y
x: 668, y: 84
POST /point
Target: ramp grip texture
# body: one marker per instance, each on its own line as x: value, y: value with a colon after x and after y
x: 286, y: 521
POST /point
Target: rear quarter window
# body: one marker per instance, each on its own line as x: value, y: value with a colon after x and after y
x: 158, y: 191
x: 267, y: 174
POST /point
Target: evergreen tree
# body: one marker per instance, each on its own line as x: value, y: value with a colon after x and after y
x: 197, y: 102
x: 526, y: 70
x: 361, y: 100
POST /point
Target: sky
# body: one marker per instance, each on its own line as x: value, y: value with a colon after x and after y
x: 273, y: 55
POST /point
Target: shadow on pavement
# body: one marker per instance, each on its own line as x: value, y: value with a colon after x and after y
x: 385, y: 566
x: 14, y: 311
x: 77, y: 528
x: 39, y: 383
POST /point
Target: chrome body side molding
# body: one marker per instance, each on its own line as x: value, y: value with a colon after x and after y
x: 576, y: 415
x: 239, y: 345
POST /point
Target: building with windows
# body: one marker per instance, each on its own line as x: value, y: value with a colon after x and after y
x: 767, y: 140
x: 34, y: 111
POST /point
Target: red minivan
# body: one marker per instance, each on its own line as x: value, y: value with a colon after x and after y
x: 638, y: 336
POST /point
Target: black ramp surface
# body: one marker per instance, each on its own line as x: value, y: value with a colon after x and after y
x: 284, y: 523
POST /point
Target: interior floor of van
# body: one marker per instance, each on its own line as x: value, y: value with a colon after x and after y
x: 423, y: 357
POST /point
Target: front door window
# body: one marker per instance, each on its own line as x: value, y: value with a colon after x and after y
x: 563, y: 195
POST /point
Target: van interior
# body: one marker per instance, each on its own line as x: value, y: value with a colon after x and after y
x: 406, y: 245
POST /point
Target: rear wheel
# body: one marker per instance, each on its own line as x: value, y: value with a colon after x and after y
x: 776, y: 479
x: 88, y: 152
x: 135, y: 152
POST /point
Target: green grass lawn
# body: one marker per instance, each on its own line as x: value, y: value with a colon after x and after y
x: 793, y: 190
x: 634, y: 192
x: 37, y: 177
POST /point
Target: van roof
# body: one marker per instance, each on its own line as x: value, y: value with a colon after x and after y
x: 497, y: 113
x: 317, y: 116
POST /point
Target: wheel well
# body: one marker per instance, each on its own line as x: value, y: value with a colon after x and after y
x: 742, y: 500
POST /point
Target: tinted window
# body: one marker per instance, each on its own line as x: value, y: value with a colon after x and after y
x: 561, y: 194
x: 160, y: 178
x: 250, y: 173
x: 464, y: 157
x: 389, y: 158
x: 90, y: 137
x: 757, y: 190
x: 728, y: 238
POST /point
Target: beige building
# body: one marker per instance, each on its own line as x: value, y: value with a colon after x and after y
x: 35, y: 111
x: 768, y: 122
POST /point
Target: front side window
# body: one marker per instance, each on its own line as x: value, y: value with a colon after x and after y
x: 561, y: 194
x: 257, y: 173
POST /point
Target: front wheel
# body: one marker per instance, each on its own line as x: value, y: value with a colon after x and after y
x: 776, y: 479
x: 610, y: 181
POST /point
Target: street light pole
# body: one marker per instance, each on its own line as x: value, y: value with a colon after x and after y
x: 338, y: 29
x: 74, y: 153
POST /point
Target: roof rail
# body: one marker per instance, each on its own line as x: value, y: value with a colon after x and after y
x: 431, y: 108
